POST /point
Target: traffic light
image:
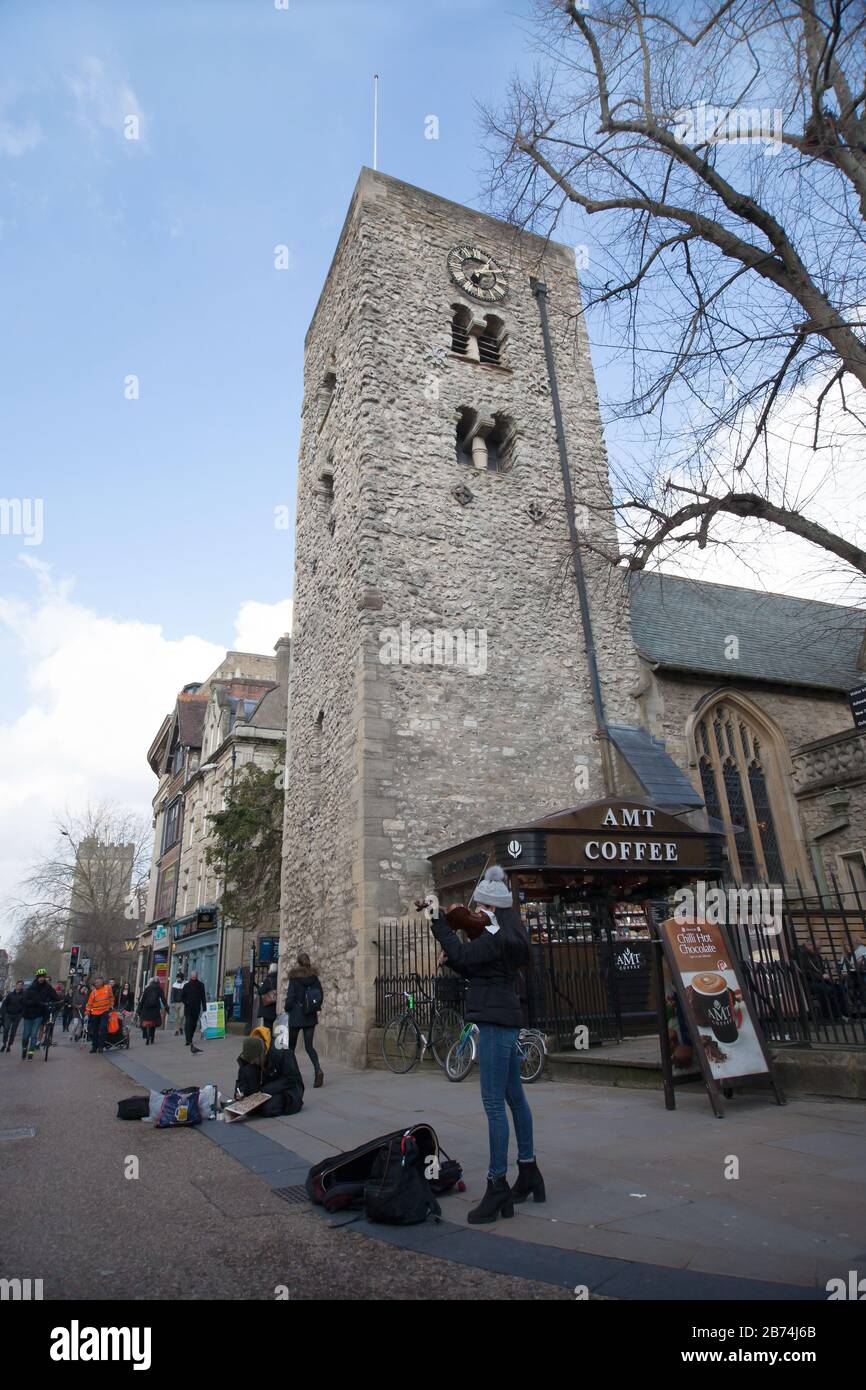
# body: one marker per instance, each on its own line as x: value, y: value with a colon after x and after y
x: 73, y: 959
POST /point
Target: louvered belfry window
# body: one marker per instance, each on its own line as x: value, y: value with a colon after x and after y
x: 737, y: 773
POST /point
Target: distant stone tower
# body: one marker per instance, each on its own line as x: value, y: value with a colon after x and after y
x: 440, y: 685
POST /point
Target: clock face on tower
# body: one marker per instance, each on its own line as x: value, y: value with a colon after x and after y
x: 477, y: 274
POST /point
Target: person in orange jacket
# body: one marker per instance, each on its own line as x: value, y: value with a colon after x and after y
x: 100, y: 1002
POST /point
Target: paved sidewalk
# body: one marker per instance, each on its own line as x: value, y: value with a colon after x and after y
x: 626, y: 1179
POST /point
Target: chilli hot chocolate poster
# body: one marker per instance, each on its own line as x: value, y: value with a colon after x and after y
x: 712, y: 995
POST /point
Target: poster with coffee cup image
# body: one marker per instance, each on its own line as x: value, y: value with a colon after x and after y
x: 727, y: 1041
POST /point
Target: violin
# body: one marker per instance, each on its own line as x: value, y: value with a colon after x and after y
x: 461, y: 918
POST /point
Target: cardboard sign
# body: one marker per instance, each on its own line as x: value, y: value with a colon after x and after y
x: 240, y: 1109
x: 727, y: 1041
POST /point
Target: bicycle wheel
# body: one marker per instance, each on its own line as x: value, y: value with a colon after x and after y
x: 49, y: 1035
x: 532, y: 1059
x: 401, y: 1044
x: 445, y: 1029
x: 458, y: 1063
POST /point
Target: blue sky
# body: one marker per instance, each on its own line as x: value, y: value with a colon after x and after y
x: 154, y: 257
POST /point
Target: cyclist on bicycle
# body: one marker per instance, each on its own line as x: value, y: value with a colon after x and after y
x: 491, y: 963
x: 39, y: 998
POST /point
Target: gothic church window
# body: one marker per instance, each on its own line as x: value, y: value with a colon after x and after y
x: 742, y: 786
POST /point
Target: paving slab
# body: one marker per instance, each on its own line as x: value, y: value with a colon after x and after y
x: 796, y: 1210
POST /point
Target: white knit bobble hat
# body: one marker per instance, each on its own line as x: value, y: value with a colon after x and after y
x: 493, y: 890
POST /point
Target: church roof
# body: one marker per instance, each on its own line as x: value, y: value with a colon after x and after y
x: 687, y: 624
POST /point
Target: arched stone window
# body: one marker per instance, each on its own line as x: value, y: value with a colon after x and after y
x: 460, y: 325
x: 478, y: 339
x: 491, y: 342
x: 485, y: 442
x: 742, y: 759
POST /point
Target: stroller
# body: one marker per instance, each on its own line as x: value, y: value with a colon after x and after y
x: 117, y: 1035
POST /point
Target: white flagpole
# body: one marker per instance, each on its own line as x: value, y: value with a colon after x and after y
x: 375, y: 120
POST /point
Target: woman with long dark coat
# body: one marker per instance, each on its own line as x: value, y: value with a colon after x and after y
x: 151, y: 1010
x: 491, y: 964
x: 303, y: 1001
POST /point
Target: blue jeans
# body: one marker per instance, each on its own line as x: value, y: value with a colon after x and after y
x: 30, y: 1033
x: 499, y: 1063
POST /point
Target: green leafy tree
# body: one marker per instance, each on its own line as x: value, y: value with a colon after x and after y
x: 247, y: 844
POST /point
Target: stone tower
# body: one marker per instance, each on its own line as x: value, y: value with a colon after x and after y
x: 440, y: 685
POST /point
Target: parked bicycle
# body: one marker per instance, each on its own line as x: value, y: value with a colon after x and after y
x: 404, y: 1042
x: 462, y: 1055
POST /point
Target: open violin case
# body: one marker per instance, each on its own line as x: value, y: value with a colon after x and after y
x: 338, y: 1182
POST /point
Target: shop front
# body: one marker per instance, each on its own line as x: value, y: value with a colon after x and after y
x: 587, y: 883
x: 196, y: 947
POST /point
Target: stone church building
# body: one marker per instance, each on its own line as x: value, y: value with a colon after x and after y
x: 453, y: 669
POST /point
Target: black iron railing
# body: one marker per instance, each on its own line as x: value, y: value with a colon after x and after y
x: 408, y: 956
x: 806, y: 972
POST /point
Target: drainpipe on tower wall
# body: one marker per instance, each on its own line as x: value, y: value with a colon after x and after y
x: 539, y: 289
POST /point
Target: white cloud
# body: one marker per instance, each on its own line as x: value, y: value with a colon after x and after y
x: 259, y: 625
x: 105, y: 102
x: 99, y: 690
x: 17, y: 134
x: 16, y: 140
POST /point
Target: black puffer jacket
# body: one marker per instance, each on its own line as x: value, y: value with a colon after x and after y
x: 13, y: 1004
x: 490, y: 963
x: 38, y: 999
x: 299, y: 980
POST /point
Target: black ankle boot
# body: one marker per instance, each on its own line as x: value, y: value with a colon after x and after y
x: 495, y: 1202
x: 529, y: 1183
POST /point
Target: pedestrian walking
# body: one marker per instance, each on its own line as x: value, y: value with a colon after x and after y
x: 152, y: 1009
x: 38, y: 1000
x: 268, y: 998
x: 100, y: 1002
x: 304, y: 999
x: 177, y: 1003
x: 126, y: 1002
x: 66, y: 1016
x: 491, y: 964
x: 194, y: 1000
x: 11, y: 1013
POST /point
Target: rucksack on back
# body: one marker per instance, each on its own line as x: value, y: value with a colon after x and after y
x: 313, y: 998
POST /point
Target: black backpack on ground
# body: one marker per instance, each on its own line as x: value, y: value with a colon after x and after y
x: 133, y: 1108
x: 398, y: 1194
